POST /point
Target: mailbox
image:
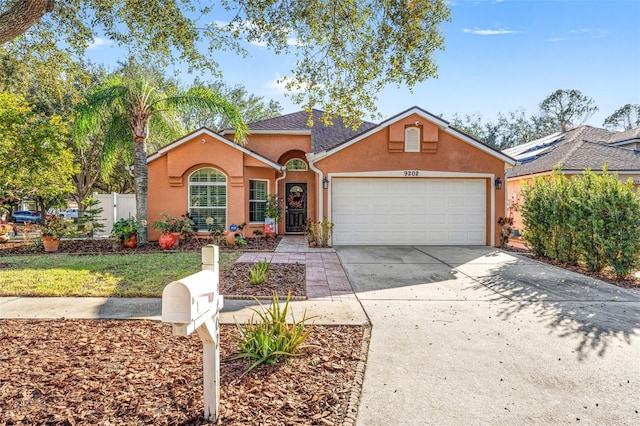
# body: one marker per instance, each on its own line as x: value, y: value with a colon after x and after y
x: 192, y: 300
x: 191, y: 304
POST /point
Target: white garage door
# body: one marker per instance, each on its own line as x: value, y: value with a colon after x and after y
x: 408, y: 211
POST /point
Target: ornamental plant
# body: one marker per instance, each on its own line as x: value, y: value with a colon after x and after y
x: 183, y: 225
x: 54, y: 227
x: 269, y: 338
x: 124, y: 228
x: 259, y: 272
x: 318, y: 233
x: 272, y: 208
x: 593, y: 219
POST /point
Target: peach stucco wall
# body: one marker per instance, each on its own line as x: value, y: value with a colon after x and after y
x: 381, y: 151
x: 168, y: 179
x: 450, y: 155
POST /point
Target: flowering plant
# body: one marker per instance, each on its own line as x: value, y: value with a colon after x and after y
x: 54, y: 226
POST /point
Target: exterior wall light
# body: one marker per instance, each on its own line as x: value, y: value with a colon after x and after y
x: 325, y: 183
x: 498, y: 183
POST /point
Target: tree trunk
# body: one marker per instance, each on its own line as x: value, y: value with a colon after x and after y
x: 24, y: 14
x: 141, y: 183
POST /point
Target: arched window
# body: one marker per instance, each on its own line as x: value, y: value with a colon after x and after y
x: 296, y: 164
x: 208, y: 198
x: 412, y: 139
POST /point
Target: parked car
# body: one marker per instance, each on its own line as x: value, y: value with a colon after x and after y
x: 26, y: 216
x: 69, y: 214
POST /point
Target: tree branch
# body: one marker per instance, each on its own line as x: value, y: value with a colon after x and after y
x: 22, y: 16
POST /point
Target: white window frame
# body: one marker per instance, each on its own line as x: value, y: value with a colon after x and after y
x: 258, y: 201
x: 226, y: 197
x: 412, y: 139
x: 306, y: 167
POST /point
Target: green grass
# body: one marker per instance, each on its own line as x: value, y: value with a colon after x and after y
x: 134, y: 275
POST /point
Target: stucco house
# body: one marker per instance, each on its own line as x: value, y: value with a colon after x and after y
x: 576, y: 150
x: 411, y: 179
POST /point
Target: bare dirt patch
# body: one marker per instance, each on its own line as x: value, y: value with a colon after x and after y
x: 86, y: 372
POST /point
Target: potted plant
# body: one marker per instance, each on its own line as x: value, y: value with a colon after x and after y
x: 52, y: 230
x: 233, y: 236
x: 126, y: 231
x: 178, y: 227
x: 272, y: 214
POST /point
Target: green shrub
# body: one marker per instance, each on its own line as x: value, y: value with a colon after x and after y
x: 593, y: 218
x: 270, y: 338
x: 318, y: 233
x: 259, y: 273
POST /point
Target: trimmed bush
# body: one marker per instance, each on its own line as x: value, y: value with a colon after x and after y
x: 593, y: 218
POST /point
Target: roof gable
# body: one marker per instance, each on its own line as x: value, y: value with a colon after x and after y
x: 205, y: 131
x: 442, y: 124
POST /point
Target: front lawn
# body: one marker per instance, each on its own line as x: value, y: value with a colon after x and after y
x: 135, y: 275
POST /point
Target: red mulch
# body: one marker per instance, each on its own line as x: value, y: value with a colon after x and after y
x: 86, y: 372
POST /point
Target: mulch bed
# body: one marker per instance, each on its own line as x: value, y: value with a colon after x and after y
x: 284, y: 278
x: 111, y: 246
x: 85, y: 372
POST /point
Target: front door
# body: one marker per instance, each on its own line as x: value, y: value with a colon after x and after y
x: 295, y: 207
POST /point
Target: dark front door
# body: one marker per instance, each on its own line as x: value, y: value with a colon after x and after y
x: 296, y: 207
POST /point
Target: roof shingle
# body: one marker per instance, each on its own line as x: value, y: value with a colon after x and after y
x: 577, y: 149
x: 322, y: 137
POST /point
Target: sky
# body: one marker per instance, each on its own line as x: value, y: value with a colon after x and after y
x: 500, y: 55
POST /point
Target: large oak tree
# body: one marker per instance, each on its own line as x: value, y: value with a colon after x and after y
x: 346, y: 51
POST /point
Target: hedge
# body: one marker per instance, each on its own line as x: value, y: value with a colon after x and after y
x: 592, y: 218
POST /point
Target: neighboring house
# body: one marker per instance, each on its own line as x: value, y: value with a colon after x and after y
x: 576, y: 150
x: 411, y: 179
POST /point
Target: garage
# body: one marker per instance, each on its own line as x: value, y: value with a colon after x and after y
x: 409, y: 211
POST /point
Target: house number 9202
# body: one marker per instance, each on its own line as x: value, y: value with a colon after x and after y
x: 411, y: 173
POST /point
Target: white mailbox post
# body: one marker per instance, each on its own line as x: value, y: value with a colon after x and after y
x: 193, y: 303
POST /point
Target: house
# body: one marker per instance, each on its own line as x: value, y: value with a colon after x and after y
x: 411, y: 179
x: 576, y: 150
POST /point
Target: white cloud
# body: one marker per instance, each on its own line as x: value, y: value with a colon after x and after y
x: 99, y: 42
x: 278, y: 86
x: 556, y: 39
x: 489, y: 32
x: 596, y: 33
x: 581, y: 31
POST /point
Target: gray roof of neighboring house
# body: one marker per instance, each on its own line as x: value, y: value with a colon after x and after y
x: 577, y: 149
x: 322, y: 137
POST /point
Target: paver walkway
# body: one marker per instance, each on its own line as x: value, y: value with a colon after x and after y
x: 324, y: 275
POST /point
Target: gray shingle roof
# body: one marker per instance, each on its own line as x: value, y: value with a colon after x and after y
x: 322, y: 137
x: 577, y: 149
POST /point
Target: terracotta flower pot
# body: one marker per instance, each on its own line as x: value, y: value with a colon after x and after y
x: 131, y: 242
x: 176, y: 237
x: 50, y: 244
x: 231, y: 238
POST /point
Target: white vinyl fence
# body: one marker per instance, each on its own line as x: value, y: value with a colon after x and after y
x: 115, y: 207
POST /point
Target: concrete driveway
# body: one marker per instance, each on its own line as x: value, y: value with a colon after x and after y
x: 474, y: 335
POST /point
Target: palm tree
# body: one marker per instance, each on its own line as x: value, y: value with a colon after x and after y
x: 126, y: 110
